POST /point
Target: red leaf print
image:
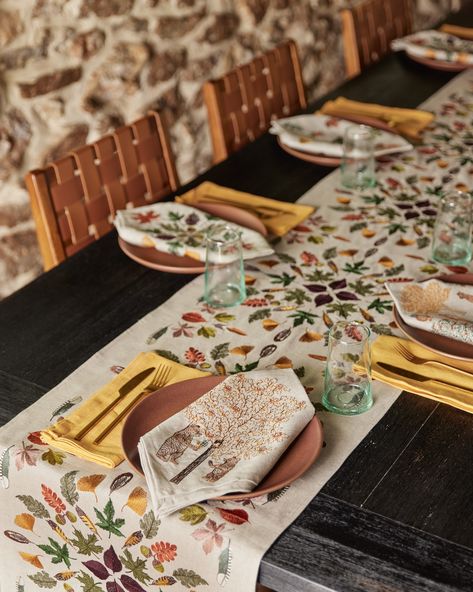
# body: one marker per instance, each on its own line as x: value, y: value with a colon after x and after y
x: 308, y: 258
x: 35, y: 437
x: 52, y: 499
x: 194, y: 356
x: 457, y: 268
x: 256, y: 302
x: 146, y: 217
x: 130, y: 584
x: 302, y: 228
x: 111, y: 560
x: 193, y: 317
x: 97, y: 568
x: 234, y: 516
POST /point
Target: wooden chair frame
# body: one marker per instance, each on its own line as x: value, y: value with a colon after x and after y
x: 242, y: 103
x: 368, y: 29
x: 75, y: 198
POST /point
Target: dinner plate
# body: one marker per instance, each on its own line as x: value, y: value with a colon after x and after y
x: 439, y: 344
x: 328, y: 161
x: 439, y: 64
x: 161, y: 261
x: 167, y: 401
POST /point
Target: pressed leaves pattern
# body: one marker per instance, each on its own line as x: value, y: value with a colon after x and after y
x: 101, y: 536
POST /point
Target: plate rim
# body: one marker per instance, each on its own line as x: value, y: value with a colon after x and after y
x: 314, y: 424
x: 442, y: 65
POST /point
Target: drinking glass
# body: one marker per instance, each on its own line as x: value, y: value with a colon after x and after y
x: 358, y: 164
x: 452, y: 231
x: 224, y: 273
x: 348, y: 371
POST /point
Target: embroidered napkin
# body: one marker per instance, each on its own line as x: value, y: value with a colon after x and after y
x: 109, y: 451
x: 407, y: 122
x: 438, y: 307
x: 279, y: 217
x: 225, y: 441
x: 180, y: 230
x: 323, y: 134
x: 462, y: 32
x: 438, y: 371
x: 436, y: 45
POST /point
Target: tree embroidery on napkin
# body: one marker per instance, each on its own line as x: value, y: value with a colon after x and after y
x: 242, y: 418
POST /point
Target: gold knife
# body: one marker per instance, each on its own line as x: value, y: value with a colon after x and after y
x: 419, y: 377
x: 123, y: 391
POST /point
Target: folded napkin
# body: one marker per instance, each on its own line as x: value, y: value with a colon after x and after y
x: 454, y: 371
x: 407, y: 122
x: 439, y: 307
x: 278, y: 217
x: 109, y: 452
x: 181, y: 230
x: 462, y: 32
x: 436, y: 45
x: 225, y: 441
x: 323, y: 134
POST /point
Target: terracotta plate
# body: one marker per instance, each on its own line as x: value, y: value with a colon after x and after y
x: 451, y: 348
x: 440, y: 64
x: 328, y: 161
x: 165, y: 402
x: 150, y: 257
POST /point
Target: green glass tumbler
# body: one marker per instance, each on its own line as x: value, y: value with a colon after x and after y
x: 224, y: 272
x: 451, y: 243
x: 348, y: 371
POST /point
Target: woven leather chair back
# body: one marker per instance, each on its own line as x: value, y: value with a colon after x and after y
x: 74, y: 199
x: 368, y: 29
x: 242, y: 103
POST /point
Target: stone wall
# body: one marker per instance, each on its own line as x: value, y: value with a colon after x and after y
x: 71, y: 70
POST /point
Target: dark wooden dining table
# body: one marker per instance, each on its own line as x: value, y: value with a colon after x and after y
x: 398, y: 515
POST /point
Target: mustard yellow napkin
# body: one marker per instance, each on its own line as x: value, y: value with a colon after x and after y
x: 462, y: 32
x: 407, y: 122
x: 109, y: 452
x: 455, y: 371
x: 277, y: 216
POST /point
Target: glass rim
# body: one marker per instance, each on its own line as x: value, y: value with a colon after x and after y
x: 359, y: 129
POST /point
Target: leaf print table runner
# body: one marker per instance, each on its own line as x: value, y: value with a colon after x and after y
x: 67, y: 522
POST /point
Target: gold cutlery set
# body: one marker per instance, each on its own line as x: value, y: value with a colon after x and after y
x: 161, y: 376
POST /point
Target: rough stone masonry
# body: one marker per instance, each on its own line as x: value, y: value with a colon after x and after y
x: 72, y: 70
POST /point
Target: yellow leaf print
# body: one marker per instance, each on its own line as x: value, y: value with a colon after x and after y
x: 269, y: 324
x: 137, y: 501
x: 25, y: 521
x: 310, y: 336
x: 242, y: 350
x: 90, y: 483
x: 283, y: 363
x: 32, y: 559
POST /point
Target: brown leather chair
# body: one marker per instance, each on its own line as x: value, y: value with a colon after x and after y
x: 242, y: 103
x: 368, y: 29
x: 74, y: 199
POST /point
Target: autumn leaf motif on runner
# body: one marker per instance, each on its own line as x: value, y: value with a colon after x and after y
x: 242, y: 418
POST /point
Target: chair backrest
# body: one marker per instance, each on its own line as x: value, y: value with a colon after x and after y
x: 74, y: 199
x: 368, y: 29
x: 242, y: 103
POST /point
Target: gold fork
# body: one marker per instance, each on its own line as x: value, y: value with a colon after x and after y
x: 410, y: 357
x: 160, y: 379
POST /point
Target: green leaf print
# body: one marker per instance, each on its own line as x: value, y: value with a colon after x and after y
x: 259, y: 315
x: 224, y: 317
x: 149, y: 524
x: 34, y: 506
x: 88, y: 584
x: 107, y: 521
x: 137, y: 567
x: 193, y: 514
x: 188, y: 578
x: 380, y: 329
x: 220, y: 351
x: 284, y: 279
x: 361, y: 288
x: 207, y: 332
x: 343, y: 309
x: 86, y: 545
x: 357, y: 267
x: 247, y: 368
x: 68, y: 487
x: 297, y: 295
x: 395, y: 227
x: 301, y: 316
x: 398, y: 269
x: 285, y: 258
x: 59, y: 553
x: 224, y: 565
x: 381, y: 305
x: 155, y: 336
x: 330, y: 253
x: 319, y: 276
x: 43, y: 580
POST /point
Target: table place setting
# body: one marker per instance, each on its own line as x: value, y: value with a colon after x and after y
x: 437, y: 49
x: 310, y: 310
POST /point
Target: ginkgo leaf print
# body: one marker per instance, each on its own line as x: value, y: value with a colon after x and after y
x: 90, y: 483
